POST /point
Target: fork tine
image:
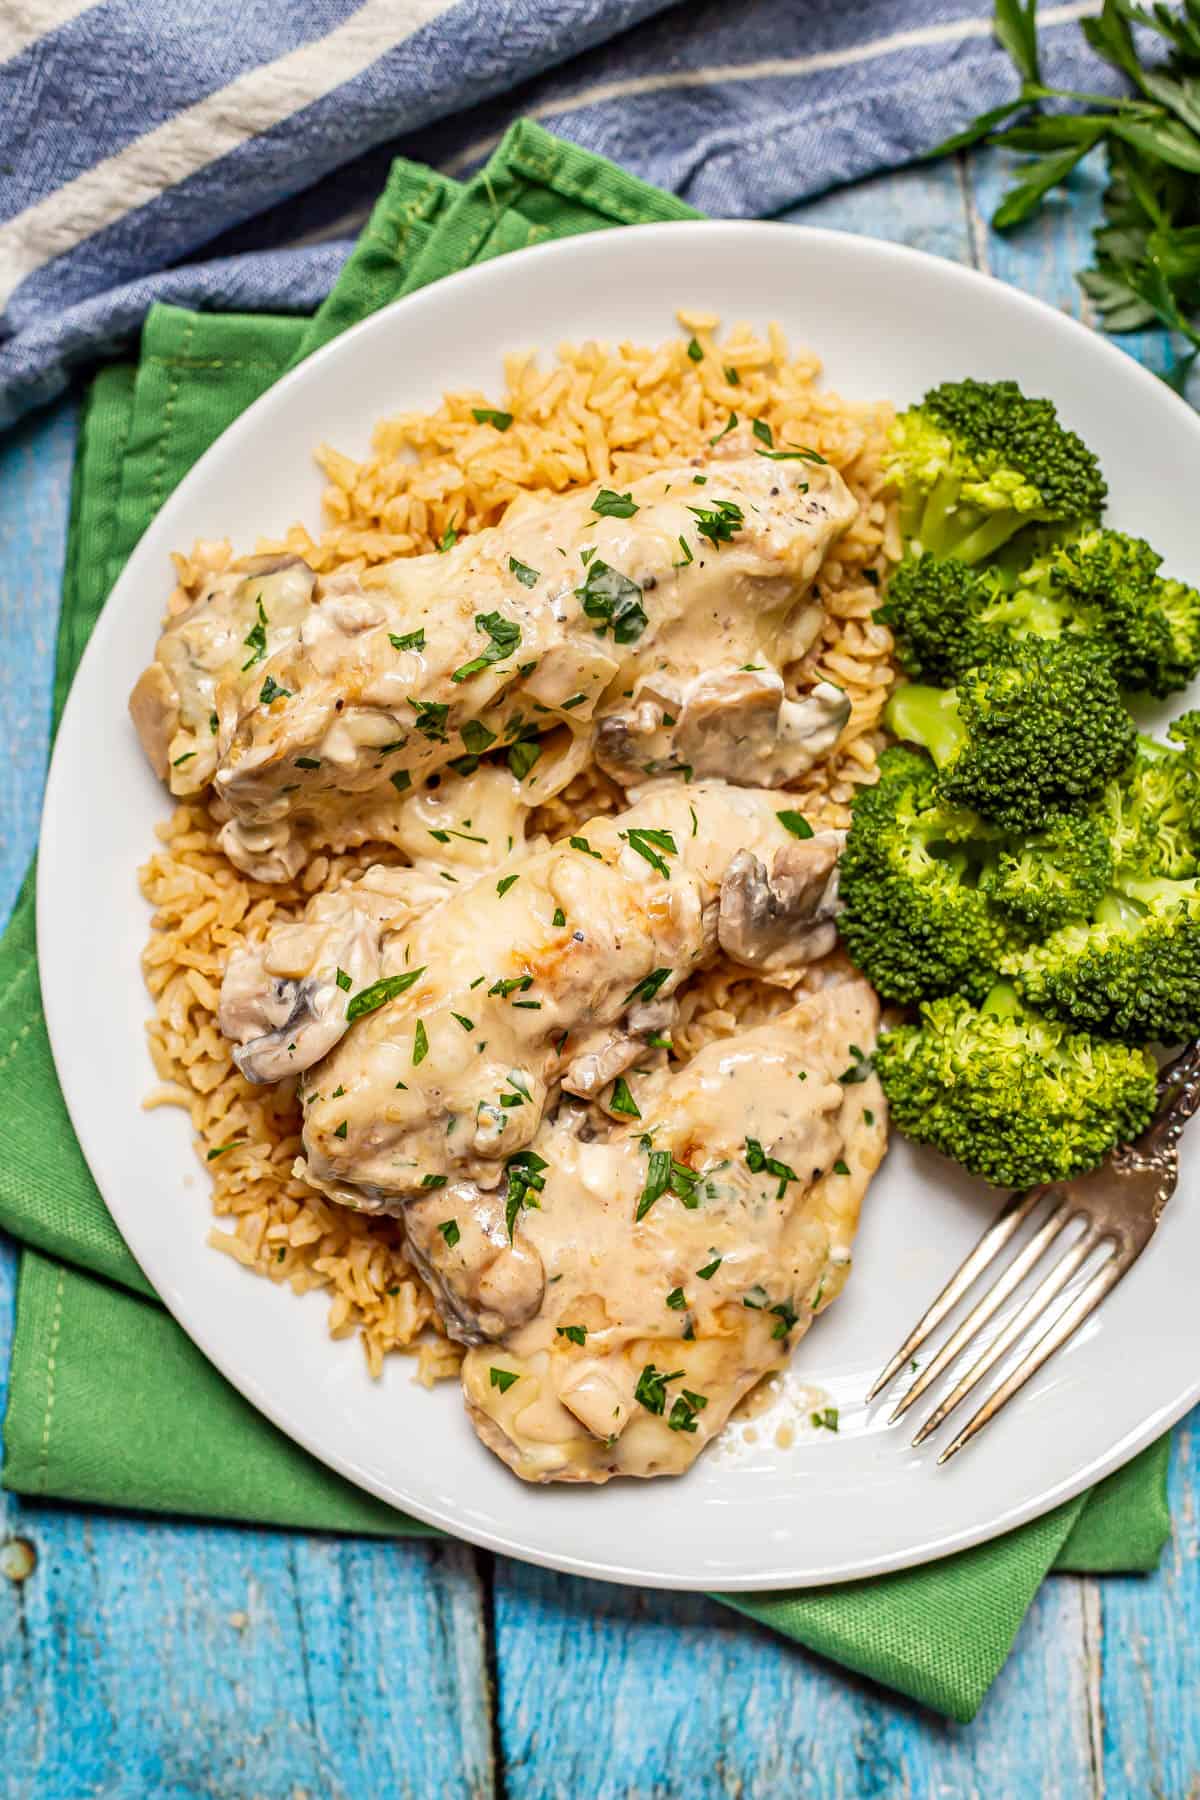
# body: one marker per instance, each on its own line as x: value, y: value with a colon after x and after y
x: 1034, y: 1307
x: 1068, y: 1322
x: 997, y: 1235
x: 989, y: 1303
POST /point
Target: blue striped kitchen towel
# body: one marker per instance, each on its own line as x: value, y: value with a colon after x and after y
x: 221, y: 153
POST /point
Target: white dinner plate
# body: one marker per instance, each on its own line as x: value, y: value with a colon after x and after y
x: 752, y: 1514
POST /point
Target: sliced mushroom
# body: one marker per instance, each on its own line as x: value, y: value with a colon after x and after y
x: 154, y: 709
x: 487, y: 1284
x: 777, y: 923
x: 599, y: 1057
x: 738, y: 725
x: 284, y: 1001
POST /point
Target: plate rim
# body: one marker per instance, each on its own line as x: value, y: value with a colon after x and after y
x: 245, y: 1381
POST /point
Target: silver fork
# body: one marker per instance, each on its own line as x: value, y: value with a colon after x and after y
x: 1120, y: 1204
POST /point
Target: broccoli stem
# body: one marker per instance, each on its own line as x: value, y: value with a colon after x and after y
x: 927, y: 716
x: 1116, y: 909
x: 988, y: 537
x: 1003, y: 1002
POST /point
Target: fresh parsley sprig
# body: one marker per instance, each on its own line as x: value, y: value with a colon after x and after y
x: 1147, y: 251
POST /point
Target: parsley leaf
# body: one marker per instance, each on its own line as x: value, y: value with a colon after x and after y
x: 796, y: 823
x: 503, y: 885
x: 449, y: 1230
x: 710, y: 1269
x: 343, y: 980
x: 758, y: 1162
x: 488, y: 415
x: 502, y: 1378
x: 725, y: 429
x: 256, y: 639
x: 683, y: 1412
x: 676, y: 1300
x: 622, y: 1101
x: 651, y: 1389
x: 648, y: 986
x: 431, y: 718
x: 505, y: 636
x: 525, y: 575
x: 648, y: 842
x: 412, y: 640
x: 420, y: 1043
x: 762, y: 432
x: 614, y: 600
x: 525, y: 1180
x: 826, y: 1419
x: 694, y: 350
x: 271, y: 690
x: 614, y: 506
x: 718, y: 523
x: 576, y: 1333
x: 380, y: 992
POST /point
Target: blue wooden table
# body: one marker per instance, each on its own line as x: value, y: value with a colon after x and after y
x: 154, y: 1658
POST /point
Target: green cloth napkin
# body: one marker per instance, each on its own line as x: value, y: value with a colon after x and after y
x: 109, y: 1402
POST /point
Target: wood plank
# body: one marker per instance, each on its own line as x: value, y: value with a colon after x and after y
x: 35, y: 483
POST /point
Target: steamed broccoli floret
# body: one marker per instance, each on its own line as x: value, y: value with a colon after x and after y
x: 976, y: 461
x: 1132, y: 971
x: 1059, y: 873
x: 914, y: 919
x: 1102, y: 586
x: 1015, y: 1098
x: 1151, y: 813
x: 1041, y: 731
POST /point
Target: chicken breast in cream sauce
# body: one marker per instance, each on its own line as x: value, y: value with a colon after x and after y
x: 657, y: 1272
x: 656, y: 627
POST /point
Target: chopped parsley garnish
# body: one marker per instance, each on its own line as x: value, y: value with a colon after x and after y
x: 420, y: 1043
x: 212, y: 723
x: 502, y: 1378
x: 504, y: 884
x: 611, y: 505
x: 683, y: 1412
x: 758, y: 1162
x: 186, y: 757
x: 449, y: 1230
x: 725, y: 429
x: 525, y: 1180
x: 651, y: 1389
x: 841, y: 1167
x: 576, y: 1333
x: 512, y: 984
x: 859, y: 1069
x: 343, y: 981
x: 694, y: 350
x: 676, y: 1300
x: 401, y: 781
x: 762, y: 432
x: 523, y: 755
x: 687, y: 556
x: 786, y: 1315
x: 658, y: 1176
x: 718, y: 523
x: 431, y: 718
x: 795, y: 822
x: 525, y: 575
x: 462, y: 1019
x: 380, y: 992
x: 868, y: 1116
x: 648, y: 843
x: 826, y: 1419
x: 648, y: 986
x: 308, y: 762
x: 798, y: 454
x: 575, y: 700
x: 434, y: 1181
x: 614, y: 601
x: 271, y: 690
x: 256, y: 639
x: 560, y: 917
x: 732, y: 376
x: 699, y: 480
x: 412, y: 640
x: 449, y: 536
x: 759, y: 1299
x: 338, y: 1091
x: 476, y: 736
x: 488, y: 415
x: 695, y: 821
x: 220, y: 1149
x: 622, y: 1101
x: 341, y: 1130
x: 505, y: 636
x: 710, y: 1269
x: 581, y: 843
